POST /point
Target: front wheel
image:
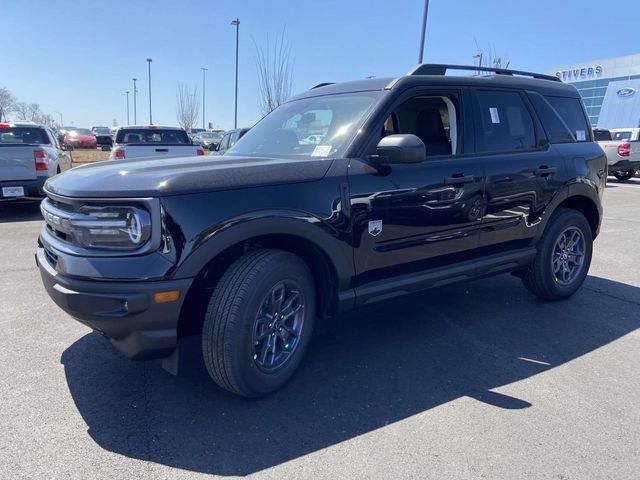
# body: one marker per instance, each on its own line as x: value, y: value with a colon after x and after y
x: 258, y: 323
x: 623, y: 175
x: 563, y: 258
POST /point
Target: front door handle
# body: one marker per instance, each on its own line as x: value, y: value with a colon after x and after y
x: 544, y: 170
x: 459, y: 178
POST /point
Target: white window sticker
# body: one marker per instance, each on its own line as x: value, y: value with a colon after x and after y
x: 495, y: 118
x: 581, y: 135
x: 321, y: 151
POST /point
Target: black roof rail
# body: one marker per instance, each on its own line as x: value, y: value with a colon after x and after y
x: 441, y: 69
x: 323, y: 85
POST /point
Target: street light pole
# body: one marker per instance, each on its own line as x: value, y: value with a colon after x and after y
x: 135, y: 106
x: 61, y: 120
x: 203, y: 96
x: 127, y: 92
x: 236, y: 23
x: 424, y: 28
x: 149, y: 60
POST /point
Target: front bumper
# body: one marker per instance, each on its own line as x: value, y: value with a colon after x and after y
x: 624, y: 166
x: 126, y: 312
x: 32, y: 188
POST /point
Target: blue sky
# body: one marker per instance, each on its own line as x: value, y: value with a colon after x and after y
x: 78, y: 58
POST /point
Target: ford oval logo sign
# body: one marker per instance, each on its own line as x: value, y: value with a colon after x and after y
x: 626, y: 92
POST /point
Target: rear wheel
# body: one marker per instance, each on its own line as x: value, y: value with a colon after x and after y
x: 258, y: 323
x: 563, y: 258
x: 623, y: 175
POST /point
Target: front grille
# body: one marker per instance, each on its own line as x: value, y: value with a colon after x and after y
x: 57, y: 216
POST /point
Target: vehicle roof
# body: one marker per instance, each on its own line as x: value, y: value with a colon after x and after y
x: 23, y: 123
x: 543, y: 86
x: 149, y: 127
x: 630, y: 129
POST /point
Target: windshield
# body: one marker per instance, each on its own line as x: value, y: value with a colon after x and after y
x: 622, y: 136
x: 80, y: 131
x: 23, y: 136
x: 102, y: 131
x: 310, y: 127
x: 155, y: 136
x: 216, y: 136
x: 602, y: 135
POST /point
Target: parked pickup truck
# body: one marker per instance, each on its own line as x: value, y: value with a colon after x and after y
x: 153, y: 141
x: 29, y: 155
x: 623, y: 151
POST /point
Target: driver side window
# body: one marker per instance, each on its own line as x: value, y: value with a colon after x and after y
x: 432, y: 118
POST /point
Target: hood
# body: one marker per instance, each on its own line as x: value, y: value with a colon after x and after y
x: 181, y: 175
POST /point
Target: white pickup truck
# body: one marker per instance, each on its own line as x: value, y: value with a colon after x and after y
x: 29, y: 155
x: 144, y: 142
x: 622, y: 147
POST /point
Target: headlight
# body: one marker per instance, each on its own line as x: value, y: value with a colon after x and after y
x: 111, y: 227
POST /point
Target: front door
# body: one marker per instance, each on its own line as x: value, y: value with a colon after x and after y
x: 413, y: 217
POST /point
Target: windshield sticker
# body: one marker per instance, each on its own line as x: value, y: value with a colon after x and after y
x: 581, y: 135
x: 495, y: 118
x: 321, y: 151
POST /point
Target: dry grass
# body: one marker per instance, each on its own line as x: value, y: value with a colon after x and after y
x: 81, y: 157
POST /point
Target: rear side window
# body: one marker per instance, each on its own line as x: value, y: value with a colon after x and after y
x: 504, y: 123
x: 153, y: 136
x: 622, y: 136
x: 571, y: 111
x: 23, y: 136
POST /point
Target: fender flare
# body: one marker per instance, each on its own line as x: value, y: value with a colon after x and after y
x: 239, y: 229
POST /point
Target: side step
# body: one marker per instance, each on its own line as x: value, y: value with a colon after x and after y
x: 415, y: 282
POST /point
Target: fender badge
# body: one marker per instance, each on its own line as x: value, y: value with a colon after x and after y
x: 375, y: 227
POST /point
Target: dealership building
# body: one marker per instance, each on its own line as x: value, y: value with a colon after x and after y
x: 610, y: 89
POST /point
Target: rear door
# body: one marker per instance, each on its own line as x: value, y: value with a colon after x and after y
x: 17, y: 146
x: 523, y: 172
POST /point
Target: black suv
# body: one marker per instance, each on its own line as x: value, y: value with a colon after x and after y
x: 346, y: 195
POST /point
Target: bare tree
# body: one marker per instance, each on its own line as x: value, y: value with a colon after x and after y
x: 275, y: 73
x: 6, y: 103
x: 21, y: 109
x: 188, y: 106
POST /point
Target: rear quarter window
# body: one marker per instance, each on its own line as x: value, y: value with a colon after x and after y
x: 572, y: 112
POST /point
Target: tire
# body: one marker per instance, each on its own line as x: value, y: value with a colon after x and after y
x: 233, y: 352
x: 623, y: 175
x: 541, y: 279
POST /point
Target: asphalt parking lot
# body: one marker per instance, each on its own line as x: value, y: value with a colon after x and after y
x: 479, y: 380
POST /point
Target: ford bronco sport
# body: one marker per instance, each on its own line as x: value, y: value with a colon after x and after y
x: 415, y: 182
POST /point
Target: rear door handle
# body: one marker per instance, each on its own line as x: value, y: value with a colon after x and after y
x: 542, y: 171
x: 459, y: 178
x: 162, y: 149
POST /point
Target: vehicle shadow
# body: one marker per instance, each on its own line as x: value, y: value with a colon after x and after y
x: 364, y: 370
x: 20, y: 211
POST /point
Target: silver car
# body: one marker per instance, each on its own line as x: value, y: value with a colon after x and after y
x: 29, y: 155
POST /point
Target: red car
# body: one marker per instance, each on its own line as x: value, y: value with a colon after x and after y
x: 80, y: 138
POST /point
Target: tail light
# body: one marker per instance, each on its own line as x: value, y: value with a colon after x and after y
x: 199, y: 152
x: 119, y: 153
x: 42, y: 162
x: 624, y: 150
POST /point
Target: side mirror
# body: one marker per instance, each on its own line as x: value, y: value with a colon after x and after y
x: 401, y: 148
x: 66, y: 147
